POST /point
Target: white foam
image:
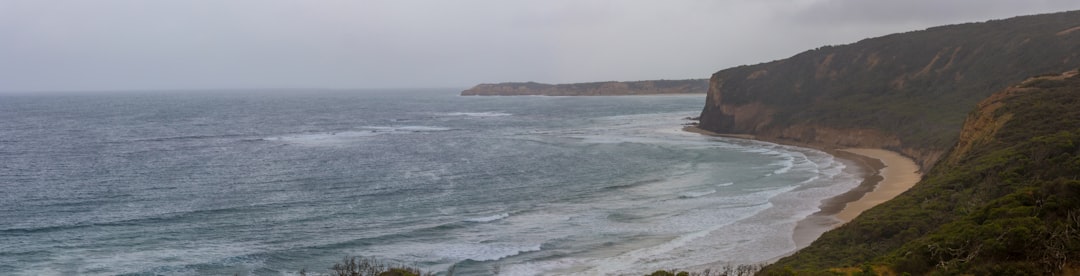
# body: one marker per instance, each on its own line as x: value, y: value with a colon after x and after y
x: 415, y: 128
x: 785, y: 165
x: 697, y: 194
x: 759, y: 237
x: 483, y: 252
x: 741, y: 231
x: 752, y: 223
x: 633, y: 261
x: 489, y: 218
x: 540, y: 267
x: 334, y: 137
x: 479, y: 114
x: 323, y: 136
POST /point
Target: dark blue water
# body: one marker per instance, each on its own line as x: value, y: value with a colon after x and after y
x: 211, y: 183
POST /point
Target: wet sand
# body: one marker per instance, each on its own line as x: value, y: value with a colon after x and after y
x: 900, y: 174
x: 810, y: 228
x: 885, y: 175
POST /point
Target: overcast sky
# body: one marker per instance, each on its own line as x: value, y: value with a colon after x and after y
x: 206, y: 44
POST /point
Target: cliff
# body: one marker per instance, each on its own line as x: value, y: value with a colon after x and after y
x: 906, y: 92
x: 1005, y: 200
x: 611, y: 88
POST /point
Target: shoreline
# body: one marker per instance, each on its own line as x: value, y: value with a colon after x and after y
x: 885, y: 175
x: 898, y: 175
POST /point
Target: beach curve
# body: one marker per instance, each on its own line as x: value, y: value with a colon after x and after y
x: 886, y: 174
x: 899, y: 174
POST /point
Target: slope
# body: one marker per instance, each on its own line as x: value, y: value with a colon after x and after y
x: 1004, y: 201
x: 906, y: 92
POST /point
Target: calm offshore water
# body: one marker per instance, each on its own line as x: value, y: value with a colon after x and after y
x: 271, y: 183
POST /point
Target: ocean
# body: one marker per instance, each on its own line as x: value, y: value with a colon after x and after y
x: 272, y: 182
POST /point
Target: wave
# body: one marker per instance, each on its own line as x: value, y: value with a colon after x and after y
x: 633, y: 260
x: 323, y: 136
x: 697, y: 194
x: 479, y: 114
x: 183, y: 137
x: 725, y: 184
x: 172, y: 216
x: 489, y: 218
x: 788, y: 158
x: 620, y: 185
x: 483, y: 252
x: 349, y: 135
x: 785, y: 165
x: 541, y: 267
x: 410, y: 128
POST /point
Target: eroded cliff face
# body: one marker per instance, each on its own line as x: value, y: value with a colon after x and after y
x: 757, y: 118
x: 982, y: 125
x: 611, y: 88
x: 907, y: 92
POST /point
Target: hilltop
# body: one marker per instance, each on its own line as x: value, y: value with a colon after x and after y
x: 1000, y: 149
x: 609, y: 88
x: 905, y: 92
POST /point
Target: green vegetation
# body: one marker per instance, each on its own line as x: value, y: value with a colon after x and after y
x: 354, y: 266
x: 916, y: 86
x: 1001, y: 193
x: 1008, y: 206
x: 727, y: 270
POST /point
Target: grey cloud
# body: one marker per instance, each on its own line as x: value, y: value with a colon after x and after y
x: 192, y: 44
x: 834, y: 12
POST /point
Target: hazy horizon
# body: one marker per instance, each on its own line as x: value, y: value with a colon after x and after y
x: 119, y: 45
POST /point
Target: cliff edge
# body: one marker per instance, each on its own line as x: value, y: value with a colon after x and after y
x: 905, y: 92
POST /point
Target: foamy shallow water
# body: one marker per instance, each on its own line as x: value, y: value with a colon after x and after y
x: 269, y: 185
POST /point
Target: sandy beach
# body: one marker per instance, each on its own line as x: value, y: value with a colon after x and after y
x: 899, y: 174
x: 886, y: 174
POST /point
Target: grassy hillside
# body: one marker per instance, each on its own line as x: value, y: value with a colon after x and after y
x: 910, y: 90
x: 1005, y: 201
x: 1001, y: 193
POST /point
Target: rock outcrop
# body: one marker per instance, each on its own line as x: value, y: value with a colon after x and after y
x: 611, y: 88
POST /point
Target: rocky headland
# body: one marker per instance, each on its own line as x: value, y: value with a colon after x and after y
x: 999, y: 149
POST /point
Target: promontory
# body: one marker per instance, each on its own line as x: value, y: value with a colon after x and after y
x: 989, y: 111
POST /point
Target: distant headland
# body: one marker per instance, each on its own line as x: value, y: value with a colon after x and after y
x: 608, y: 88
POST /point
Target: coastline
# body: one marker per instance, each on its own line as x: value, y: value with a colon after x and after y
x: 898, y: 175
x: 886, y: 174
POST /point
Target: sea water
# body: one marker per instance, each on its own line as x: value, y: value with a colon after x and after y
x: 272, y: 182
